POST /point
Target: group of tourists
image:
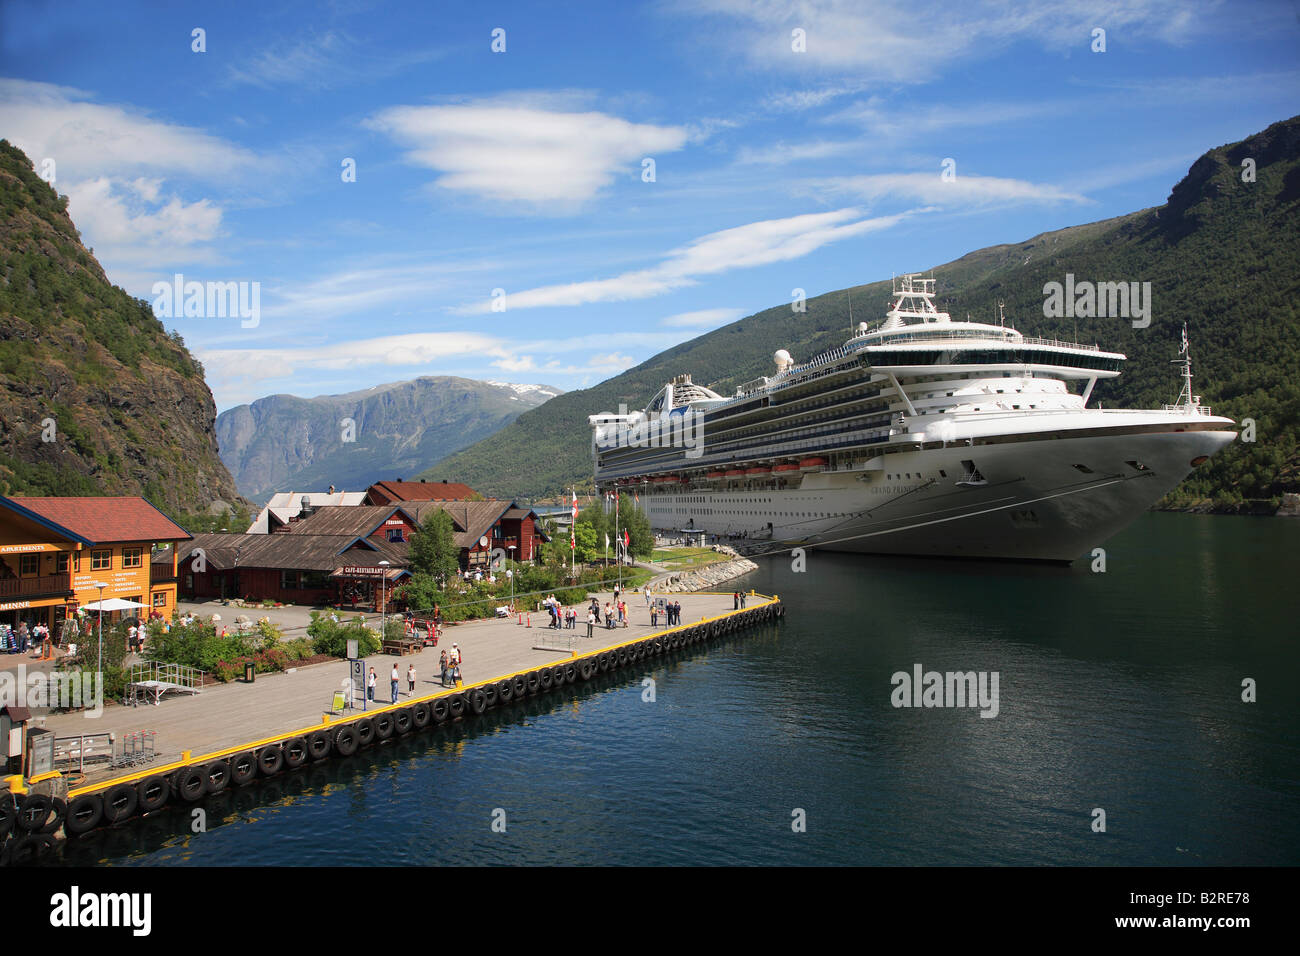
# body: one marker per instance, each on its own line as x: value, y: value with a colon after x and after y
x: 672, y: 611
x: 20, y: 639
x: 562, y: 618
x: 449, y: 662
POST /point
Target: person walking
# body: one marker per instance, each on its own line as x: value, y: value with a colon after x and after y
x: 591, y: 622
x: 371, y: 681
x: 742, y: 599
x: 394, y: 679
x: 654, y: 616
x: 410, y: 679
x: 735, y: 601
x: 442, y: 663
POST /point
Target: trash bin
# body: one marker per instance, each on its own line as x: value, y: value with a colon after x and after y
x: 249, y: 671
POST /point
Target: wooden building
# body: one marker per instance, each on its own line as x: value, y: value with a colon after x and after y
x: 54, y: 552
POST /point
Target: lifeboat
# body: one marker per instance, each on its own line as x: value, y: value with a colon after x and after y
x: 808, y: 464
x: 758, y: 471
x: 735, y: 473
x: 786, y: 467
x: 715, y: 475
x: 667, y: 480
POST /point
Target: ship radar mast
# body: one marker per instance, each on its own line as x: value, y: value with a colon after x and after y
x: 1186, y: 400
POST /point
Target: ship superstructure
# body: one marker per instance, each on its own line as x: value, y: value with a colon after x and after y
x: 922, y: 435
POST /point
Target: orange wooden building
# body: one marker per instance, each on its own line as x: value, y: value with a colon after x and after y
x: 54, y: 552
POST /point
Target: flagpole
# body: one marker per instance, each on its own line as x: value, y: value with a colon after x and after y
x: 617, y: 539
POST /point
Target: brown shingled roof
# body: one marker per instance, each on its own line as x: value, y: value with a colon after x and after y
x: 424, y: 490
x: 104, y: 520
x: 356, y: 520
x: 294, y: 552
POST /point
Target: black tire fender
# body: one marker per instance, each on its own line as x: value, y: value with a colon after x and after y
x: 622, y: 656
x: 346, y: 740
x: 505, y: 691
x: 84, y: 813
x: 587, y: 669
x: 8, y: 813
x: 420, y: 716
x: 545, y: 679
x: 318, y: 745
x: 365, y: 732
x: 534, y: 682
x: 520, y: 685
x: 243, y: 769
x: 570, y: 672
x: 384, y: 726
x: 120, y: 803
x: 218, y: 775
x: 33, y: 813
x: 456, y: 705
x: 270, y: 760
x: 440, y: 709
x: 402, y: 724
x: 295, y: 752
x: 490, y: 694
x: 154, y: 792
x: 476, y: 700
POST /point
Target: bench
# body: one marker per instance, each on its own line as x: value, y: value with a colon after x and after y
x: 402, y: 648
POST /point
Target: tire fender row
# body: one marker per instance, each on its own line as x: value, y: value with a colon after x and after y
x: 28, y: 822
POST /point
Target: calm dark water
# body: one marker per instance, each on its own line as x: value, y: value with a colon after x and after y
x: 1119, y: 691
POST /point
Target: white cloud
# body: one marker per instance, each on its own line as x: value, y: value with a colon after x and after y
x: 89, y: 139
x: 780, y: 154
x: 932, y: 189
x: 523, y: 152
x: 701, y: 318
x: 130, y: 224
x: 913, y: 41
x: 753, y: 244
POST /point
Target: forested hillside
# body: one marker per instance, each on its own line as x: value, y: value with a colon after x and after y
x: 95, y: 397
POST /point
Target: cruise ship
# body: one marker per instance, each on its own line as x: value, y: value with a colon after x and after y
x: 923, y: 435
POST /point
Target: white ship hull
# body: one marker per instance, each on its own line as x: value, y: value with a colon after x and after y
x: 1033, y: 504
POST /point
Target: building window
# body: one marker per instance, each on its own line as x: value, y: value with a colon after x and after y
x: 28, y: 564
x: 395, y: 535
x: 314, y: 580
x: 289, y: 580
x: 137, y: 599
x: 101, y: 560
x: 131, y: 557
x: 159, y: 598
x: 61, y: 563
x: 76, y: 563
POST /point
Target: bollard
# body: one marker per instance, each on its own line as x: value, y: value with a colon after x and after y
x: 530, y: 621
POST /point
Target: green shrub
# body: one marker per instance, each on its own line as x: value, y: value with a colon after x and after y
x: 331, y: 637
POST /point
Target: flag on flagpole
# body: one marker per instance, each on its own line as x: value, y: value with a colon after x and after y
x: 606, y: 540
x: 627, y: 542
x: 1185, y: 337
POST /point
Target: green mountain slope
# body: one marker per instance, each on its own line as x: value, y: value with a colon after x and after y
x: 1221, y: 254
x: 285, y: 443
x: 95, y: 397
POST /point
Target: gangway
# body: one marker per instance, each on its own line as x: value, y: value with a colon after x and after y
x: 156, y: 679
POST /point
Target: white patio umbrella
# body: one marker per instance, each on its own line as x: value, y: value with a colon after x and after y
x: 112, y: 604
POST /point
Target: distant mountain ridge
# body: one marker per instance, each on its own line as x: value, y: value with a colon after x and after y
x: 1223, y: 254
x: 95, y: 397
x: 286, y: 443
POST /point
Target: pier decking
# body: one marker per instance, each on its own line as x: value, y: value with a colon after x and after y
x: 233, y: 717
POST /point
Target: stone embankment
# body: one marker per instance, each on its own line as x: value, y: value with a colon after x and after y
x: 706, y: 578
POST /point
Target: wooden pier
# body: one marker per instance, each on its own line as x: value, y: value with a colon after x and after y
x: 221, y: 736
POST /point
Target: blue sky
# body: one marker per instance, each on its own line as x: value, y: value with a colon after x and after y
x: 523, y: 170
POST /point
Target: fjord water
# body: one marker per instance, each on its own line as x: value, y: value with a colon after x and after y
x: 1119, y: 690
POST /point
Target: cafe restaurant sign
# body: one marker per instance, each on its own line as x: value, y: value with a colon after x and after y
x: 361, y: 572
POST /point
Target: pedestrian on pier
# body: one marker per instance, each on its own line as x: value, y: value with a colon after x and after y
x: 371, y: 681
x: 442, y: 662
x: 735, y: 601
x: 410, y: 679
x: 654, y: 616
x: 742, y: 599
x: 394, y: 679
x: 591, y: 622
